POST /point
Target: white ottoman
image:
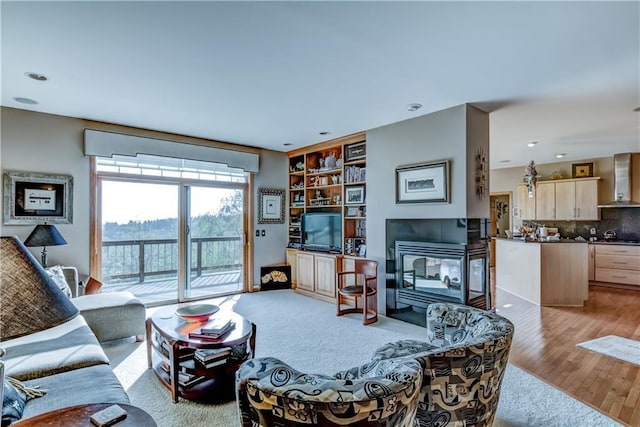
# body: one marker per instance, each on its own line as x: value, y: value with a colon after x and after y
x: 113, y: 315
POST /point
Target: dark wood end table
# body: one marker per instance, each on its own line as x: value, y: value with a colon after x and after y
x: 170, y: 354
x: 78, y: 416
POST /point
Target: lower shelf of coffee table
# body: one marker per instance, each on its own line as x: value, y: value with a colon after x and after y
x: 213, y: 384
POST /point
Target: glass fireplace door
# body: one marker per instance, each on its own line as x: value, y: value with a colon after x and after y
x: 433, y: 274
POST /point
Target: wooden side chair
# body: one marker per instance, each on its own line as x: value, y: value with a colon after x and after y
x: 362, y: 282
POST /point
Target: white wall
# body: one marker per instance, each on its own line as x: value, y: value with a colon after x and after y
x: 271, y: 249
x: 436, y: 136
x: 477, y: 141
x: 36, y: 142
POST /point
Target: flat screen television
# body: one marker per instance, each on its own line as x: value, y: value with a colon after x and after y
x: 322, y: 231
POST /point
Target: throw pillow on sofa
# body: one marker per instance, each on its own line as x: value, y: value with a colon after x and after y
x: 13, y: 402
x: 14, y: 397
x: 57, y: 275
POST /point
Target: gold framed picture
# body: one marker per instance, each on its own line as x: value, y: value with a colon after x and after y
x: 582, y: 170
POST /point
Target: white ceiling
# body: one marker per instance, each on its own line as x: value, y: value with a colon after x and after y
x: 268, y: 73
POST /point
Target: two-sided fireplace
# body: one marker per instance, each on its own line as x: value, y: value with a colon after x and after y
x: 423, y: 272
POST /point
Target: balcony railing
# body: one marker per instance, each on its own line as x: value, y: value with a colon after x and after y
x: 135, y: 260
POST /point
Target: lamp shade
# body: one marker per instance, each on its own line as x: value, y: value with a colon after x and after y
x: 45, y: 235
x: 31, y: 301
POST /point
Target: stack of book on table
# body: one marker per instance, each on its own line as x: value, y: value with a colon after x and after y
x: 214, y: 330
x: 212, y: 357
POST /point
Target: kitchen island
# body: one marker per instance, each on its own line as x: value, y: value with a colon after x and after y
x: 544, y: 273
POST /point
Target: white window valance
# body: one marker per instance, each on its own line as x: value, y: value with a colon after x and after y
x: 106, y: 144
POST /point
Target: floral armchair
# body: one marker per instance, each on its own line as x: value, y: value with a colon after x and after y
x: 381, y: 393
x: 463, y: 358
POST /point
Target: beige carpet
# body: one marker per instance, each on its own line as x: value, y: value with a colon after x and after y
x: 614, y: 346
x: 308, y: 335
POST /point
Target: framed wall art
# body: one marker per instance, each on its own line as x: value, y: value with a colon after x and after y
x: 354, y: 195
x: 423, y: 183
x: 355, y: 152
x: 35, y: 198
x: 270, y: 206
x: 582, y: 170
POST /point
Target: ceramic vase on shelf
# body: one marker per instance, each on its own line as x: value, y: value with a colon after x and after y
x: 330, y: 161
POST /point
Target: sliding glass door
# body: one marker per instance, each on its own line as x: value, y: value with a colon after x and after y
x: 177, y: 236
x: 214, y: 236
x: 140, y: 238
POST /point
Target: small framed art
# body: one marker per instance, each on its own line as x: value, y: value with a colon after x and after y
x: 582, y: 170
x: 354, y: 195
x: 270, y: 206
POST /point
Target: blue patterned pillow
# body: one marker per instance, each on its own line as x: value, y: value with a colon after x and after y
x: 13, y: 402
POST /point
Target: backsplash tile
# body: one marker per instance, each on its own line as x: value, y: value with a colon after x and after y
x: 624, y: 221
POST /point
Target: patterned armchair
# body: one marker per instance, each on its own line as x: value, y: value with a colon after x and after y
x: 381, y: 393
x: 464, y: 359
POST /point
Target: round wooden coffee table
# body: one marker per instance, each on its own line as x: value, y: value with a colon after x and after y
x: 78, y: 416
x: 170, y: 352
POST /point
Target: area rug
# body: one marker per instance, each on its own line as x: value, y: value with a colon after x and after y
x: 615, y: 346
x: 308, y: 335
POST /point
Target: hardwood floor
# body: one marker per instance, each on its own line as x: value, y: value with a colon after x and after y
x: 545, y: 346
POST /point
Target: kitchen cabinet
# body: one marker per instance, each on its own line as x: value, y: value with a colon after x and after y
x: 525, y: 206
x: 577, y: 200
x: 592, y: 262
x: 546, y: 200
x: 547, y: 274
x: 617, y: 264
x: 587, y: 200
x: 569, y: 199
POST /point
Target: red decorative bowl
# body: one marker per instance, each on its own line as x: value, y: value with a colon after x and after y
x: 197, y: 312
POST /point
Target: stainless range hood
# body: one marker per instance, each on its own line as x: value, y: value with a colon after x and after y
x: 622, y: 183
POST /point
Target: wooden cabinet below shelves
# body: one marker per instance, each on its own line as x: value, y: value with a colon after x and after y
x: 316, y: 274
x: 325, y: 266
x: 305, y: 271
x: 292, y: 260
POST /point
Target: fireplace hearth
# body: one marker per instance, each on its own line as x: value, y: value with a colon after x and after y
x: 421, y: 272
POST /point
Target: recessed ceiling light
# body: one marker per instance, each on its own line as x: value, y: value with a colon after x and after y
x: 325, y: 132
x: 287, y: 144
x: 532, y: 144
x: 561, y: 155
x: 25, y: 100
x: 505, y: 161
x: 36, y: 76
x: 414, y: 107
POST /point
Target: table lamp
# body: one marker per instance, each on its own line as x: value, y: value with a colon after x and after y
x: 45, y: 235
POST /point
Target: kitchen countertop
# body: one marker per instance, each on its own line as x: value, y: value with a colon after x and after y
x: 597, y: 242
x: 617, y: 242
x: 544, y: 241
